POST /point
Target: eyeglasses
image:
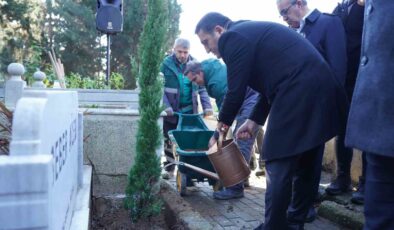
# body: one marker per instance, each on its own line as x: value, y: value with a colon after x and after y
x: 284, y: 12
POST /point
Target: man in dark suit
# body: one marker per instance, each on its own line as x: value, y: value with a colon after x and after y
x: 296, y: 86
x: 327, y: 35
x: 324, y: 31
x: 371, y: 119
x: 352, y: 14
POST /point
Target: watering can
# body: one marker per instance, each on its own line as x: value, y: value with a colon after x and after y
x: 228, y: 161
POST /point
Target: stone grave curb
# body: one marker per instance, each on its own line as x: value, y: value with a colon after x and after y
x: 179, y: 212
x: 341, y: 215
x: 82, y: 214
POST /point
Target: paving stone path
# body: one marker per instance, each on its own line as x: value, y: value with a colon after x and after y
x: 243, y: 213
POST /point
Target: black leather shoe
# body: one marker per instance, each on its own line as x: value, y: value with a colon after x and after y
x: 260, y: 173
x: 339, y: 186
x: 358, y: 196
x: 311, y: 216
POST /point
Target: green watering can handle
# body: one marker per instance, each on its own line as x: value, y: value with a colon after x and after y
x: 186, y: 114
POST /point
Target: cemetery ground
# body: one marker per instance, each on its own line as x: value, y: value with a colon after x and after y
x: 117, y: 217
x: 74, y: 137
x: 197, y: 210
x: 111, y: 214
x: 248, y: 212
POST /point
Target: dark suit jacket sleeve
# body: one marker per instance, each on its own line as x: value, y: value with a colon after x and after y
x: 335, y: 48
x: 237, y: 53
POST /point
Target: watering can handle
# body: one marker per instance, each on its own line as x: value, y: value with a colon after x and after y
x: 220, y: 140
x: 181, y: 114
x: 194, y: 168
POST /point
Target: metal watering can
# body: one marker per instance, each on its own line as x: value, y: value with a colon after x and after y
x: 228, y: 162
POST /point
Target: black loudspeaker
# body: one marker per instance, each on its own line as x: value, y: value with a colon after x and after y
x: 109, y: 17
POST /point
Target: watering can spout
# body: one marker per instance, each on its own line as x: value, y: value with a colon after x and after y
x: 204, y: 172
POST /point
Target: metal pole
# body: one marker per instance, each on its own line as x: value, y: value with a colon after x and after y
x: 108, y: 58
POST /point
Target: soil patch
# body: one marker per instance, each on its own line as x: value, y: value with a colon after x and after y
x: 120, y: 219
x: 109, y: 213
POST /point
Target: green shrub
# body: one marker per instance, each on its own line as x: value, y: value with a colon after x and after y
x: 76, y: 81
x: 142, y: 196
x: 116, y: 81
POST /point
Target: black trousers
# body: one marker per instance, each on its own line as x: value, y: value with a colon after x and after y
x: 291, y: 187
x: 379, y: 193
x: 344, y: 154
x: 344, y: 157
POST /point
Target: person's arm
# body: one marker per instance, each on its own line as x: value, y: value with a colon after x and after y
x: 217, y: 92
x: 238, y: 55
x: 205, y: 101
x: 251, y: 98
x: 361, y: 2
x: 168, y: 108
x: 335, y: 48
x: 261, y: 110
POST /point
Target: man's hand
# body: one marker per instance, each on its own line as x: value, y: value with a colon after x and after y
x: 221, y: 127
x: 169, y: 111
x: 212, y: 142
x: 246, y: 129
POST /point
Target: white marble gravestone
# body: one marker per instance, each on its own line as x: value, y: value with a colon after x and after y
x: 15, y: 85
x: 39, y: 179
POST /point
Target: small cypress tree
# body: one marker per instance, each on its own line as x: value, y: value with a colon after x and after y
x: 142, y: 193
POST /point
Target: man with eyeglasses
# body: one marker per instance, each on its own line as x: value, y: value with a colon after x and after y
x: 324, y: 31
x: 327, y: 35
x: 298, y: 89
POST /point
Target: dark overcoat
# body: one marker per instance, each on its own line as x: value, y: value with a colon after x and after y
x: 327, y: 35
x: 306, y: 102
x: 371, y: 119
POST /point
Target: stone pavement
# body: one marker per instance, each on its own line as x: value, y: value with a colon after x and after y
x: 248, y: 212
x: 244, y: 213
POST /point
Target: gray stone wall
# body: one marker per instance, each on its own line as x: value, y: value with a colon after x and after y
x: 109, y: 146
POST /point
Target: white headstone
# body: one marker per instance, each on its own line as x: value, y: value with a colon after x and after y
x: 39, y: 179
x: 15, y: 85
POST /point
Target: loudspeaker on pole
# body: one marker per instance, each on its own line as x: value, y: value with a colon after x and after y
x: 109, y: 17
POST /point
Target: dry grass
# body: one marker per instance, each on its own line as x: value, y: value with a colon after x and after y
x: 5, y: 129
